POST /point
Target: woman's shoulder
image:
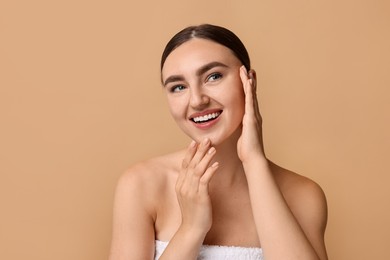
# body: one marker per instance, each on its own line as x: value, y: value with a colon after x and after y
x: 154, y: 171
x: 305, y: 197
x: 292, y: 182
x: 145, y: 184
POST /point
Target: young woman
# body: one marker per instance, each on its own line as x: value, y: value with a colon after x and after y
x: 220, y: 198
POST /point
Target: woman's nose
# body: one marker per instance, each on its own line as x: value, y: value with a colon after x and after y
x: 198, y: 99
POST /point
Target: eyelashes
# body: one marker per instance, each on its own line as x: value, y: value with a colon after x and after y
x: 213, y: 77
x: 177, y: 88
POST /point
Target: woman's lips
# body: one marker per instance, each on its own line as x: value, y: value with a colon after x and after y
x: 206, y: 119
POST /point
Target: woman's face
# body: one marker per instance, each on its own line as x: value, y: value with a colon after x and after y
x: 204, y: 90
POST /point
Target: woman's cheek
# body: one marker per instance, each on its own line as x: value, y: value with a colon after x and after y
x: 177, y: 107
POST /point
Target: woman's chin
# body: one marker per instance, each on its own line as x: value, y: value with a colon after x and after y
x: 218, y: 138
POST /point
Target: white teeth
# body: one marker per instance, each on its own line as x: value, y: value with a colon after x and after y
x: 206, y: 117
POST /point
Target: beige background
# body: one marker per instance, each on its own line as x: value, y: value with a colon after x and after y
x: 80, y: 100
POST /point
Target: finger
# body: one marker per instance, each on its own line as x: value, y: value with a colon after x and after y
x: 200, y: 153
x: 253, y: 83
x: 189, y: 179
x: 194, y: 175
x: 255, y: 101
x: 207, y: 176
x: 252, y: 75
x: 249, y: 85
x: 189, y: 154
x: 191, y: 150
x: 244, y: 77
x: 249, y: 98
x: 204, y: 163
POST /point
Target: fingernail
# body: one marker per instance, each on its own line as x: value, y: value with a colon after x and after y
x: 206, y: 141
x: 215, y: 165
x: 211, y: 150
x: 193, y: 143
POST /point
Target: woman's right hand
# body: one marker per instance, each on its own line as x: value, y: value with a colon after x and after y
x: 192, y: 188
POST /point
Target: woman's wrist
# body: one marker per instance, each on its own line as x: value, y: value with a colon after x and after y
x: 255, y: 165
x: 191, y: 234
x: 185, y: 244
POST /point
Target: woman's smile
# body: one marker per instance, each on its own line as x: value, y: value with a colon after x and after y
x: 204, y: 89
x: 206, y: 119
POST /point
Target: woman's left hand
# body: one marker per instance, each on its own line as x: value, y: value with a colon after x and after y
x: 250, y: 143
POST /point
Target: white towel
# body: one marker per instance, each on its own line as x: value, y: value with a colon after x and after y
x: 219, y: 252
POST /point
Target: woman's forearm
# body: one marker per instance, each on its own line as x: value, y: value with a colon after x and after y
x: 185, y: 244
x: 280, y: 234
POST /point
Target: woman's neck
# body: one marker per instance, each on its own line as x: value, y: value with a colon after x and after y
x: 230, y: 171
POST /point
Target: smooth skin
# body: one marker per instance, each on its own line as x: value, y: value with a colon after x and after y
x: 221, y: 190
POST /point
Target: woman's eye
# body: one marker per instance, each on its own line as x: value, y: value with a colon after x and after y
x: 177, y: 88
x: 214, y: 77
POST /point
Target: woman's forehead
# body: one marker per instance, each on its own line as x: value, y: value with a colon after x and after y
x: 195, y: 53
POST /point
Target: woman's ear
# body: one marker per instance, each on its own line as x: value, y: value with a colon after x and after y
x: 252, y: 74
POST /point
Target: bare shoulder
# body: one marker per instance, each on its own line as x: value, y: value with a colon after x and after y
x: 150, y: 179
x: 139, y: 191
x: 151, y: 175
x: 305, y: 198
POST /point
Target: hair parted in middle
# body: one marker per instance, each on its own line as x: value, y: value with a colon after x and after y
x: 210, y: 32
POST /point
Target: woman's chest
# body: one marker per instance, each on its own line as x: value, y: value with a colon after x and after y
x: 232, y: 220
x: 233, y: 223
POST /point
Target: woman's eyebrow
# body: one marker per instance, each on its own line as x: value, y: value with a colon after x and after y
x: 173, y: 78
x: 209, y: 66
x: 199, y: 71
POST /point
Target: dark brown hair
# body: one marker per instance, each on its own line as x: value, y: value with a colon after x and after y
x: 214, y: 33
